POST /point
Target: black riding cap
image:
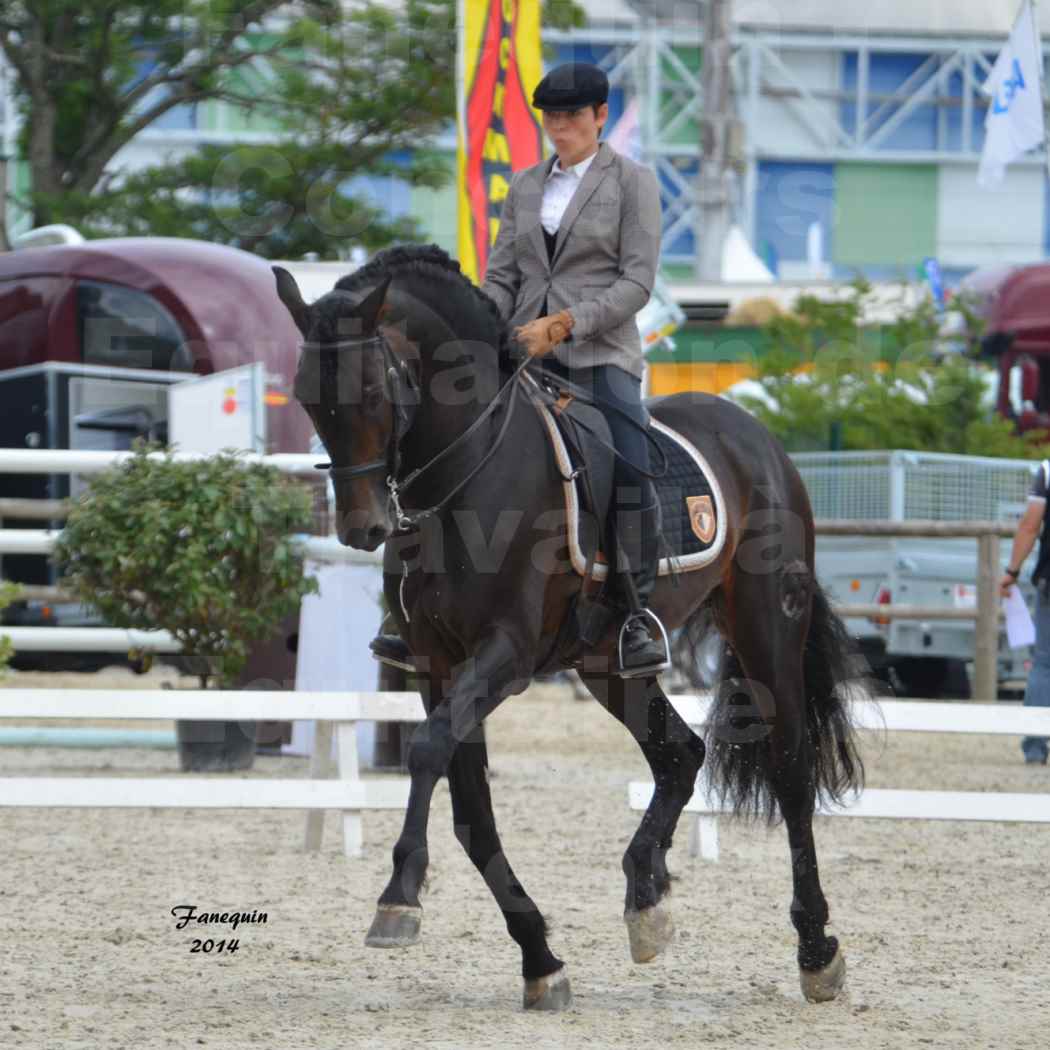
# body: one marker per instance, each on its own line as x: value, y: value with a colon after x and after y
x: 571, y: 86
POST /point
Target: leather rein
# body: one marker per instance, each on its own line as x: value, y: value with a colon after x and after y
x: 399, y: 380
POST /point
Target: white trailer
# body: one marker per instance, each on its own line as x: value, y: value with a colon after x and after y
x: 923, y: 658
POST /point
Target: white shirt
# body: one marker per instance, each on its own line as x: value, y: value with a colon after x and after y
x: 561, y: 184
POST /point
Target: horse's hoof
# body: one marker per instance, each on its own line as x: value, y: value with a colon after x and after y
x: 821, y: 986
x: 650, y: 931
x: 395, y: 926
x: 552, y: 992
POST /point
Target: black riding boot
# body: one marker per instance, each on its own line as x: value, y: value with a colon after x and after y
x: 388, y: 647
x: 643, y: 640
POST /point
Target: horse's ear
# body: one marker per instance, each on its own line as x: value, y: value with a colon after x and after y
x: 370, y: 308
x: 289, y: 294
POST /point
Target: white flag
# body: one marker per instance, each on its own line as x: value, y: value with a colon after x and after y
x: 1015, y: 118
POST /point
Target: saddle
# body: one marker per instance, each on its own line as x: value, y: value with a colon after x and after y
x: 691, y: 502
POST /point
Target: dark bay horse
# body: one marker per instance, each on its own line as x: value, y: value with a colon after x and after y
x: 403, y: 369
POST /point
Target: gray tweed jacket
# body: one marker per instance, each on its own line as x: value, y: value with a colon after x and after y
x: 605, y: 258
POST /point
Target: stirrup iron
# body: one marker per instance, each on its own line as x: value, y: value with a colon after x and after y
x: 642, y: 670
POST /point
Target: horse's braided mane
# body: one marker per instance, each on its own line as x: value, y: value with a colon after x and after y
x: 431, y: 263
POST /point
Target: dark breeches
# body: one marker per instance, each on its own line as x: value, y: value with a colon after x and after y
x: 612, y: 388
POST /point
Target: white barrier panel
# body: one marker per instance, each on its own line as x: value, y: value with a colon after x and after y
x: 207, y: 705
x: 213, y: 793
x: 336, y: 713
x: 88, y: 640
x: 75, y: 461
x: 892, y: 804
x: 319, y: 548
x: 897, y: 716
x: 919, y: 716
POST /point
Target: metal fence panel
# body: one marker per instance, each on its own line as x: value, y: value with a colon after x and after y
x: 878, y: 486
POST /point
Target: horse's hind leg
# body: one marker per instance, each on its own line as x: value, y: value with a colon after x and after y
x: 546, y: 981
x: 770, y: 648
x: 675, y: 754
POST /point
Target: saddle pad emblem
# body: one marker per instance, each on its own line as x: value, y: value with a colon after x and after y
x: 701, y: 517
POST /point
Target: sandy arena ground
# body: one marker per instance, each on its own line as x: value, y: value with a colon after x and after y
x: 944, y: 925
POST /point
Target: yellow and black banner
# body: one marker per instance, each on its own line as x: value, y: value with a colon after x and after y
x: 499, y: 131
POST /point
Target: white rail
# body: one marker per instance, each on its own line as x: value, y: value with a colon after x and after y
x: 317, y: 548
x: 337, y: 714
x: 71, y: 461
x: 898, y: 716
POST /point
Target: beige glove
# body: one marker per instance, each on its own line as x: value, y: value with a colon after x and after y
x: 541, y: 336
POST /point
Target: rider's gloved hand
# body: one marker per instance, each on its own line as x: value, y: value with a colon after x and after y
x: 541, y: 336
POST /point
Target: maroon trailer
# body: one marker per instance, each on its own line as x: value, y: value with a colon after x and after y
x: 124, y: 311
x: 1015, y: 304
x: 160, y: 304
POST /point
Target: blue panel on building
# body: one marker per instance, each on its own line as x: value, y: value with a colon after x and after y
x: 791, y: 197
x: 954, y: 117
x: 389, y: 194
x: 888, y: 72
x: 179, y: 118
x: 680, y: 241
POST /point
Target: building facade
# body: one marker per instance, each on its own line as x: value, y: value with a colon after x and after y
x: 862, y: 133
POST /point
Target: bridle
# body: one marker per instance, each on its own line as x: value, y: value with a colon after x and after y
x: 400, y: 379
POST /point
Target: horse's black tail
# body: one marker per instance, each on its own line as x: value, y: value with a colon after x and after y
x: 739, y: 764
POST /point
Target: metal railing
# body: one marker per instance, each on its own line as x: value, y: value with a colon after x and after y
x: 989, y: 568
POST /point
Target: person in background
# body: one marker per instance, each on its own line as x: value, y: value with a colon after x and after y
x: 1033, y: 527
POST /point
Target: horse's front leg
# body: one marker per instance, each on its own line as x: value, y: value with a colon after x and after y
x: 546, y: 980
x: 455, y: 710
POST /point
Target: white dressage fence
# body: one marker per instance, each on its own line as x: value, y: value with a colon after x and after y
x: 894, y: 804
x: 336, y: 713
x: 324, y: 549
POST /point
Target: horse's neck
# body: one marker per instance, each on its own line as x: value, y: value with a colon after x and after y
x: 447, y: 409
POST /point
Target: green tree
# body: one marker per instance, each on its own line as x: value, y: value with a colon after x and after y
x: 203, y: 549
x: 338, y: 85
x: 894, y: 387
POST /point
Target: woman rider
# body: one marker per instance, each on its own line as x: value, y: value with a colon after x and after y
x: 574, y: 261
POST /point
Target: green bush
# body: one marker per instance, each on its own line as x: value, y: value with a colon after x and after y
x: 9, y: 592
x: 202, y: 548
x: 824, y: 385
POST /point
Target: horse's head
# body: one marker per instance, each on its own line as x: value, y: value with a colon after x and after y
x: 357, y: 392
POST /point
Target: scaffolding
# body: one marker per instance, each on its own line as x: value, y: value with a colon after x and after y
x: 853, y: 120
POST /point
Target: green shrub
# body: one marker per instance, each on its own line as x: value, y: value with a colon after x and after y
x: 9, y: 592
x: 825, y: 386
x: 203, y: 549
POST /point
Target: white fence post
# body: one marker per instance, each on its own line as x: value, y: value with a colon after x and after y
x: 346, y: 744
x: 320, y: 769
